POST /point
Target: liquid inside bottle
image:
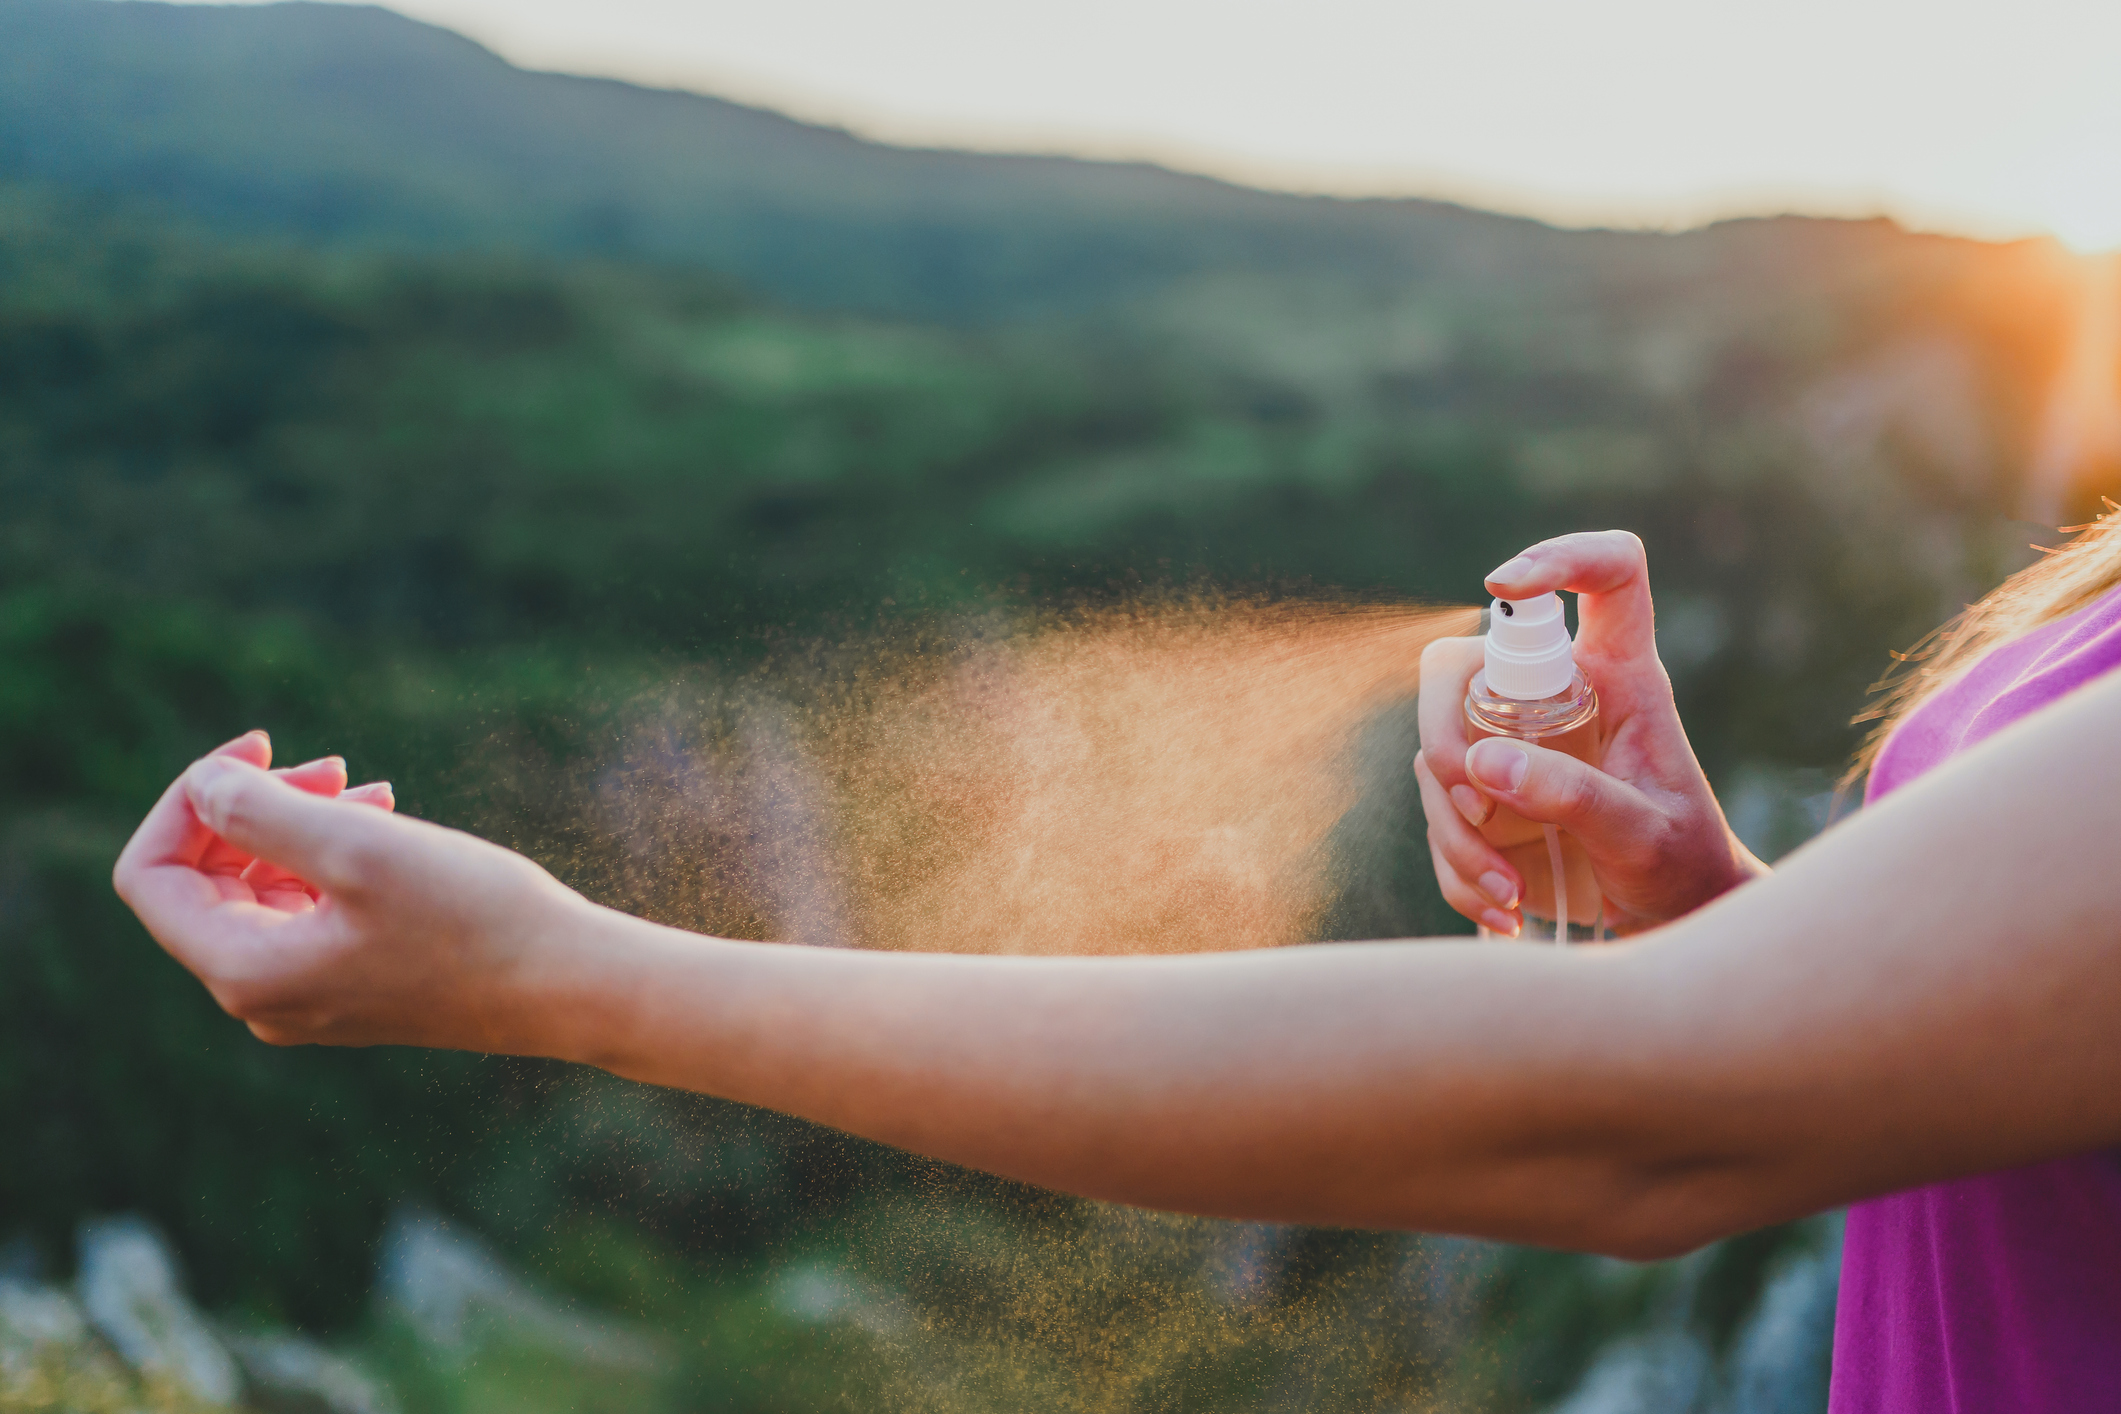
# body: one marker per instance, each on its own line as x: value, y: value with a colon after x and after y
x: 1567, y: 721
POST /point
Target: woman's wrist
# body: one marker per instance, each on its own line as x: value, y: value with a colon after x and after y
x: 599, y: 987
x: 570, y: 988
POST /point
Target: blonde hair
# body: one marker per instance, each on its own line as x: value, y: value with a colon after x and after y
x: 2063, y: 581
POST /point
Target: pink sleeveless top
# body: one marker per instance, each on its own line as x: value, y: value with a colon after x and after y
x: 1998, y: 1294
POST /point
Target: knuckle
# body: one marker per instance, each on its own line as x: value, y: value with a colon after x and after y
x: 1442, y: 654
x: 1442, y: 759
x: 356, y: 864
x: 278, y: 1016
x: 1447, y: 828
x: 1467, y: 852
x: 1456, y: 892
x: 234, y: 806
x: 1576, y: 795
x: 1463, y: 900
x: 1663, y: 845
x: 1452, y: 854
x: 289, y: 1028
x: 243, y: 1000
x: 1445, y: 875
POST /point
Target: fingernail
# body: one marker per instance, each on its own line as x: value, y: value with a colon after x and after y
x: 1471, y: 804
x: 1497, y: 764
x: 261, y: 734
x: 1510, y: 571
x: 1498, y: 922
x: 1497, y: 886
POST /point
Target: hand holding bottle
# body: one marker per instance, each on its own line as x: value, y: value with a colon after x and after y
x: 1657, y: 841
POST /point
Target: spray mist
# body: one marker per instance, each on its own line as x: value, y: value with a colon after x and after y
x: 1530, y: 688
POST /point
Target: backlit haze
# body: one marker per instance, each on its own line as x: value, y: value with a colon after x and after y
x: 1984, y: 119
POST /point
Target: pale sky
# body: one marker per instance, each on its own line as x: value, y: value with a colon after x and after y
x: 1992, y: 119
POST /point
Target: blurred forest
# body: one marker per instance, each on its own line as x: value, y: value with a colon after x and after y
x: 357, y: 385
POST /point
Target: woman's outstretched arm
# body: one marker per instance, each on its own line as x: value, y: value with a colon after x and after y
x: 1933, y: 988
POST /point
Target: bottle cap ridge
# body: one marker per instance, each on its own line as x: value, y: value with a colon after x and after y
x: 1529, y: 654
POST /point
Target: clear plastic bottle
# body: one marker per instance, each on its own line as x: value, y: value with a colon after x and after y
x: 1531, y: 689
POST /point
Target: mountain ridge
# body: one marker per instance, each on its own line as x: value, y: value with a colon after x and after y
x: 355, y: 123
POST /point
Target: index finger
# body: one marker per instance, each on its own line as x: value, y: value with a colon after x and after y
x: 324, y: 776
x: 1447, y: 668
x: 172, y: 833
x: 291, y: 889
x: 1609, y: 571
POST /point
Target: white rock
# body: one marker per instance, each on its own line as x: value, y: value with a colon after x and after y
x: 294, y: 1371
x: 454, y: 1290
x: 33, y: 1315
x: 38, y: 1325
x: 1779, y: 1363
x: 45, y: 1337
x: 815, y: 1293
x: 1660, y: 1373
x: 130, y: 1291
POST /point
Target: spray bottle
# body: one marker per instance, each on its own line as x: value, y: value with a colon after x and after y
x: 1530, y: 688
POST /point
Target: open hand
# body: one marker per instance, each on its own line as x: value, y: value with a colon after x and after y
x: 1656, y: 838
x: 313, y: 913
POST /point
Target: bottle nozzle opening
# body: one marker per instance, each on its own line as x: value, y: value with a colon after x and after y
x: 1529, y: 652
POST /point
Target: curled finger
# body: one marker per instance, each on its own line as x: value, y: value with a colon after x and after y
x: 1469, y: 901
x: 1447, y: 669
x: 322, y: 841
x: 325, y: 776
x: 280, y: 887
x: 173, y: 835
x: 1463, y: 848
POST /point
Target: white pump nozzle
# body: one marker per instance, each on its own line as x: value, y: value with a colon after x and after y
x: 1529, y: 652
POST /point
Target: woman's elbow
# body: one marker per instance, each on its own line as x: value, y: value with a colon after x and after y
x: 1652, y: 1215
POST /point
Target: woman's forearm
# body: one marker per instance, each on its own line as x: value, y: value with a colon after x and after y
x: 1929, y: 990
x: 1383, y: 1084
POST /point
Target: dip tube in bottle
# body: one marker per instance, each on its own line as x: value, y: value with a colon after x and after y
x: 1530, y: 688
